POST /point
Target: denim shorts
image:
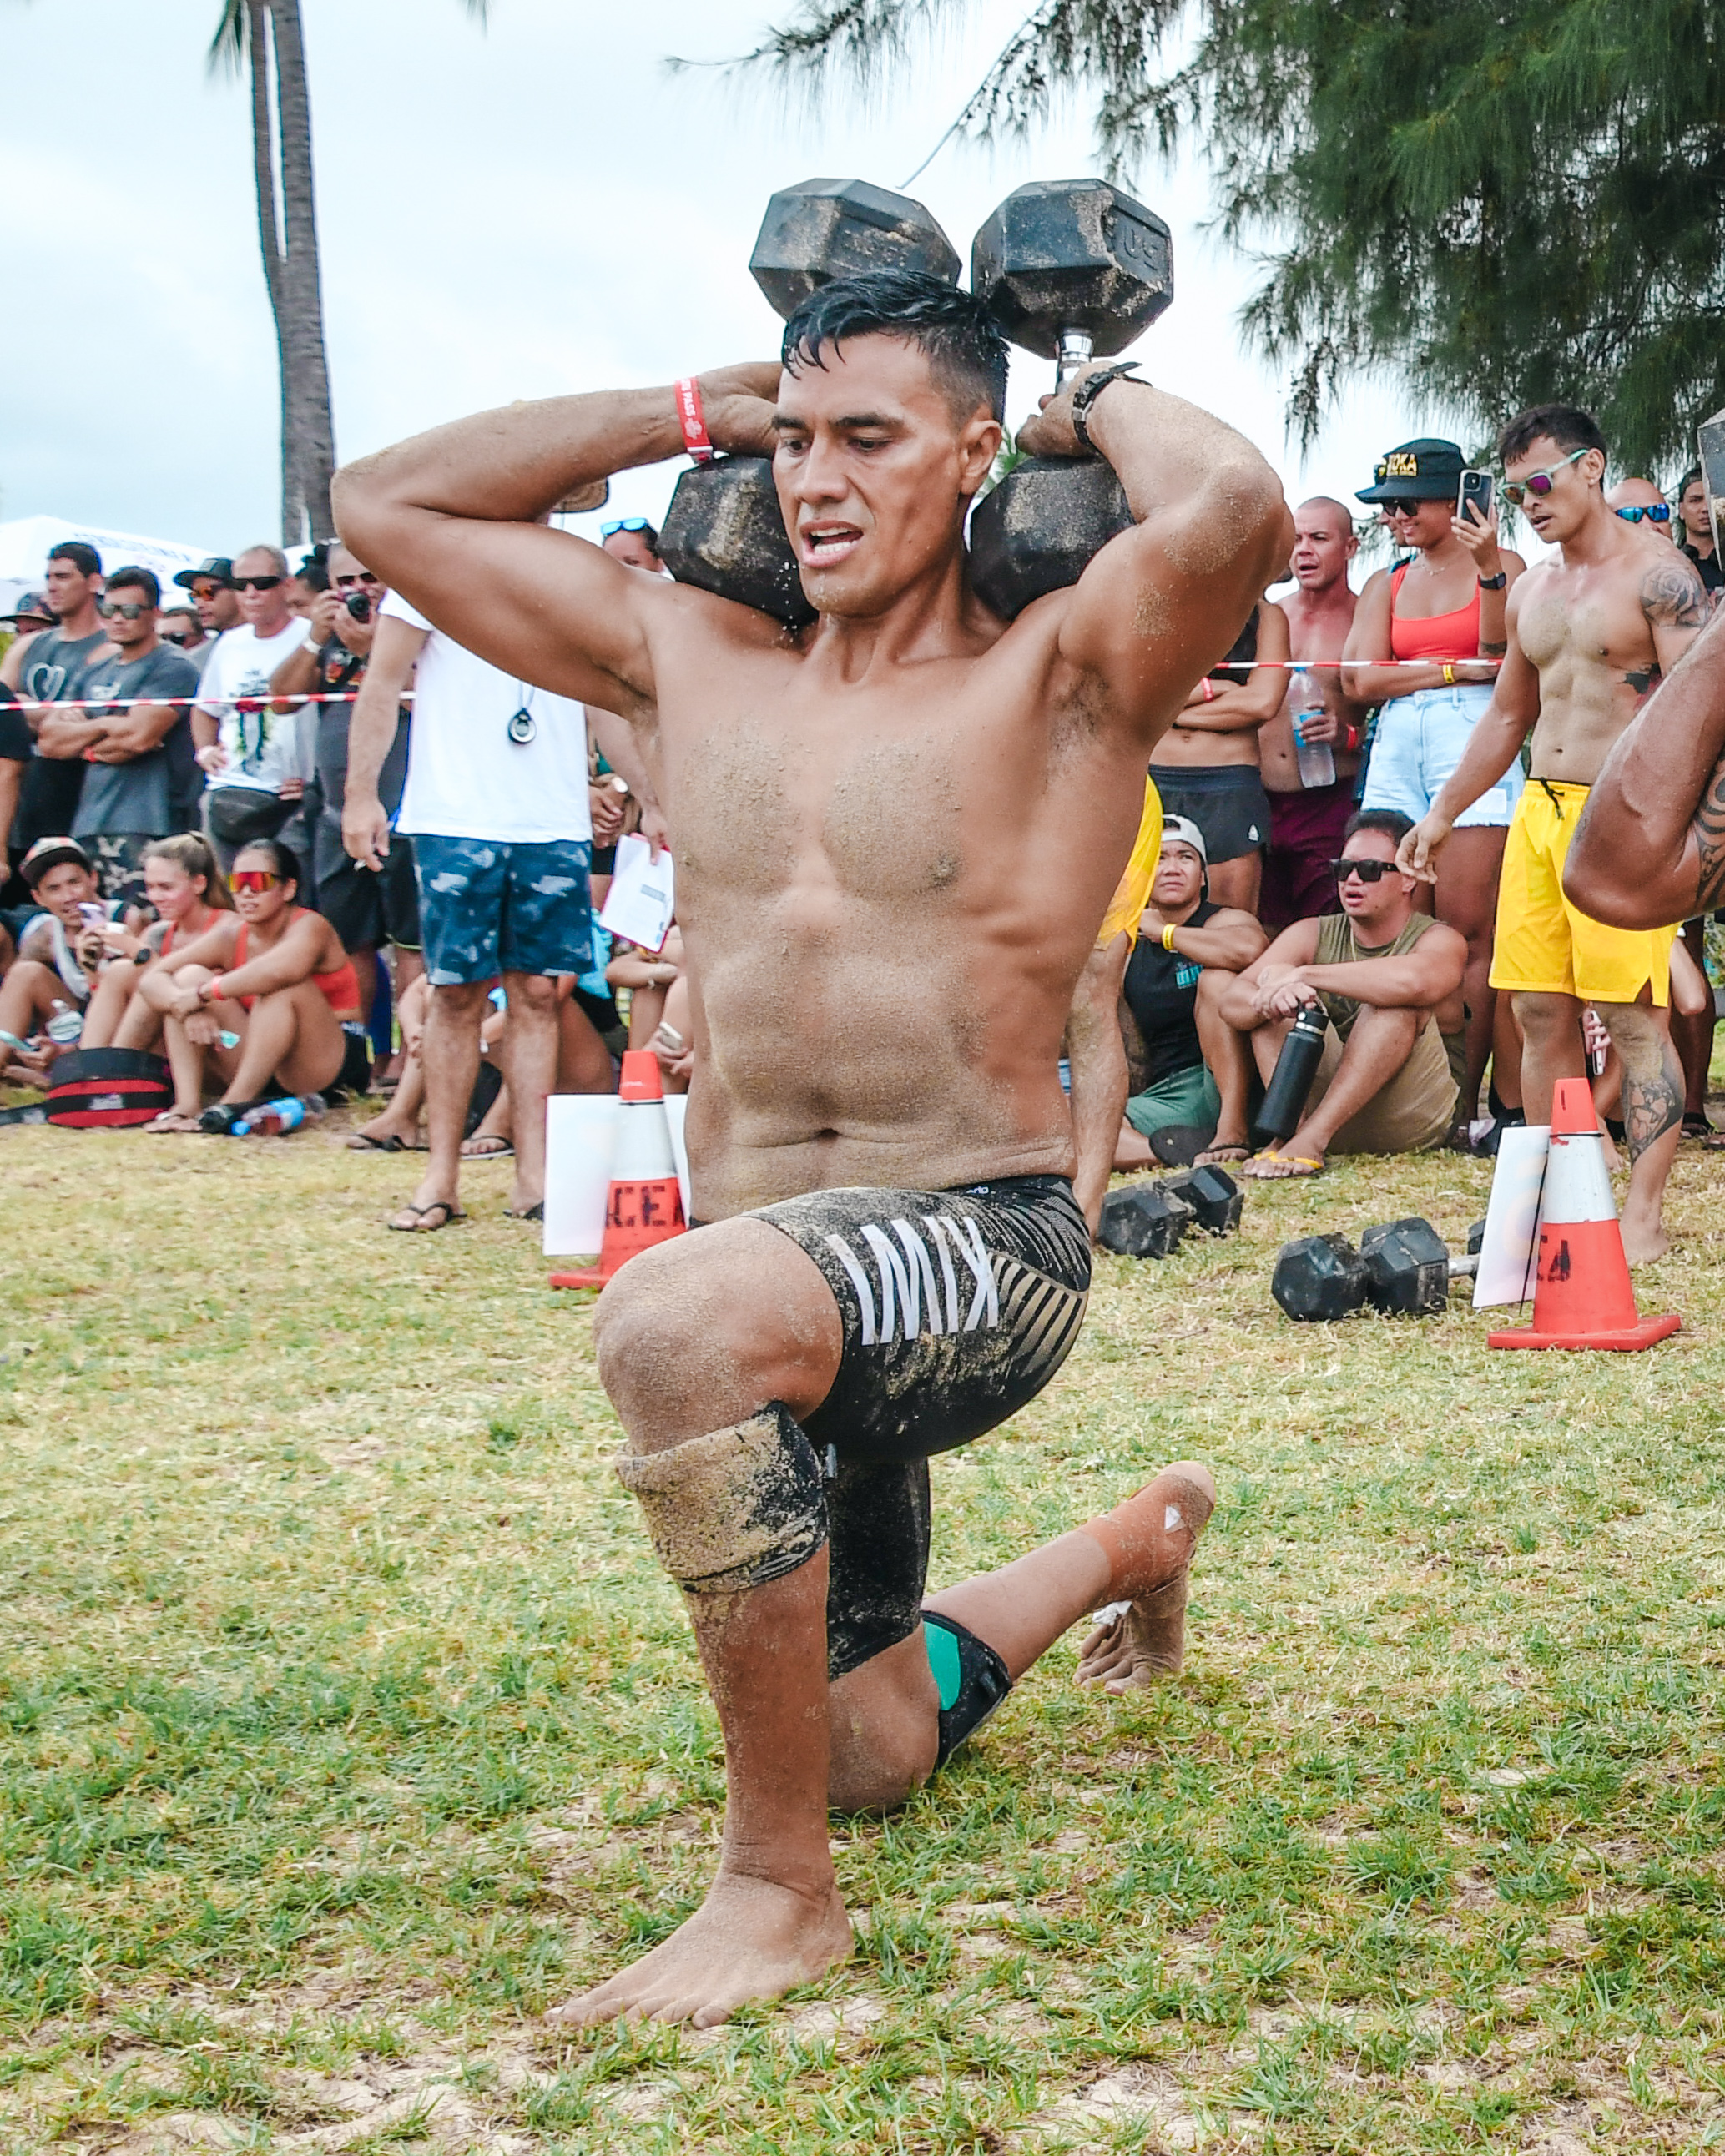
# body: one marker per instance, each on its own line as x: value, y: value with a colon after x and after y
x: 488, y: 908
x: 1419, y: 740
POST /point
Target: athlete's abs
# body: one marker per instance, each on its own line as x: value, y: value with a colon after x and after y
x: 1593, y: 653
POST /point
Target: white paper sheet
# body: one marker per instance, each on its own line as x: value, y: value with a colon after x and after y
x: 1505, y: 1271
x: 580, y: 1131
x: 643, y: 897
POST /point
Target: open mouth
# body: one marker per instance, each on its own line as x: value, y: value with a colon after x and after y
x: 825, y: 546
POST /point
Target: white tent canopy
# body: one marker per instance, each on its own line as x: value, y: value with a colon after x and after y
x: 25, y: 541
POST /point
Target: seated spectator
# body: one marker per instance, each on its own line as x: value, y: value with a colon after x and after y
x: 135, y: 735
x: 264, y: 1003
x: 1193, y: 1072
x: 647, y: 975
x: 187, y: 891
x: 1390, y: 980
x: 59, y: 952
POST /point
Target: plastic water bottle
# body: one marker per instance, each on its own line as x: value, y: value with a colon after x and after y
x: 1296, y: 1067
x: 1318, y: 764
x: 275, y: 1118
x: 64, y: 1025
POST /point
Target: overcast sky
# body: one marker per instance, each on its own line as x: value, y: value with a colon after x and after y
x: 533, y: 207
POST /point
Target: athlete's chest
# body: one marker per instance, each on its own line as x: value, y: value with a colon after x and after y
x: 1592, y: 620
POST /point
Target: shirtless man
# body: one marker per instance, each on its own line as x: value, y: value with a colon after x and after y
x: 1589, y: 635
x: 894, y: 1263
x: 1305, y: 822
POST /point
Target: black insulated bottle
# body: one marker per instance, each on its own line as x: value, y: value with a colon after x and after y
x: 1291, y: 1081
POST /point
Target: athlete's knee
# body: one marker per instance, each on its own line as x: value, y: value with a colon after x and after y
x: 735, y: 1508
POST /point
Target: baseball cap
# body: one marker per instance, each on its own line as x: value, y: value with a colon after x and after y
x: 47, y: 854
x: 1427, y: 469
x: 1181, y: 831
x: 32, y: 604
x: 219, y: 569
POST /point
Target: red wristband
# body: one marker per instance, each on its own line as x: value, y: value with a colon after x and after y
x: 1209, y: 691
x: 693, y: 420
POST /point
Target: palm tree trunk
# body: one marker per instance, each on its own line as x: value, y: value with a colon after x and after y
x: 290, y: 267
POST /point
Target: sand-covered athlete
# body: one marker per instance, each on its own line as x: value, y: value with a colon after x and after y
x: 1590, y: 631
x: 896, y: 834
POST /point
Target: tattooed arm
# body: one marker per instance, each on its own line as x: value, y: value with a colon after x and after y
x: 1675, y: 601
x: 1651, y: 846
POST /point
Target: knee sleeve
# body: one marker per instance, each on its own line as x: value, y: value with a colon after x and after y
x: 969, y: 1676
x: 735, y: 1508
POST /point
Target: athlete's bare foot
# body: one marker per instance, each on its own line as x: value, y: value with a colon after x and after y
x: 1644, y: 1240
x: 1150, y: 1539
x: 750, y: 1939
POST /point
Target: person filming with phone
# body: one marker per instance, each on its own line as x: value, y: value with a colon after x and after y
x: 1439, y: 614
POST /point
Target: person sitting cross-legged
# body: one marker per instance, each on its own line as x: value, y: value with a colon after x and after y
x: 1193, y: 1069
x: 1390, y: 980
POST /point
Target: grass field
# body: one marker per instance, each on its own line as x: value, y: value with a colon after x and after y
x: 346, y: 1723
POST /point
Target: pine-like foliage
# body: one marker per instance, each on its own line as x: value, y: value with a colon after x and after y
x: 1502, y: 201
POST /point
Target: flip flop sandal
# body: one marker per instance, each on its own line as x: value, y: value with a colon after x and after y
x: 528, y: 1213
x: 487, y: 1148
x: 359, y: 1142
x: 1293, y: 1167
x: 422, y: 1223
x: 1698, y: 1126
x: 171, y: 1123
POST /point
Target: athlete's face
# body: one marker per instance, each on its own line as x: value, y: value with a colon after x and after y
x: 874, y: 471
x: 1574, y: 496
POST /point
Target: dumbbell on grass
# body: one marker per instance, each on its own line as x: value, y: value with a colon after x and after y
x: 1071, y: 269
x: 1402, y: 1268
x: 1216, y: 1198
x: 724, y: 531
x: 1143, y: 1220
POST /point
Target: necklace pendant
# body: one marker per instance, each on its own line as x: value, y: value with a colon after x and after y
x: 522, y: 727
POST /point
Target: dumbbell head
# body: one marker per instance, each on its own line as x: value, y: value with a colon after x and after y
x: 1073, y: 260
x: 1319, y: 1277
x: 1407, y: 1268
x: 1144, y: 1220
x: 1216, y: 1199
x: 724, y: 532
x: 826, y: 228
x: 1037, y: 531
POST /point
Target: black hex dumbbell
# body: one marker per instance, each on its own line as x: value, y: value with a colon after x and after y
x: 724, y: 531
x: 1072, y: 269
x: 1216, y: 1199
x: 1402, y: 1268
x: 1144, y: 1220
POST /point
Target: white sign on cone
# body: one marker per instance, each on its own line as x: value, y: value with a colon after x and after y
x: 1505, y: 1266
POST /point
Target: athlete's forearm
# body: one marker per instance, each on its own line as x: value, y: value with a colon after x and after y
x: 1166, y: 452
x: 1650, y: 848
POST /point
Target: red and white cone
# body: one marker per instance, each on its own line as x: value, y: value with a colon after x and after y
x: 1582, y: 1297
x: 644, y: 1203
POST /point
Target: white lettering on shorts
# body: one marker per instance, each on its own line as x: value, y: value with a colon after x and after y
x: 904, y: 1292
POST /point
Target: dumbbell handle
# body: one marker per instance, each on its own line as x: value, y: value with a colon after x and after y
x: 1077, y: 347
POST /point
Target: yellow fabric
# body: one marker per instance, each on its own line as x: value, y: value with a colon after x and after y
x: 1132, y: 894
x: 1546, y: 946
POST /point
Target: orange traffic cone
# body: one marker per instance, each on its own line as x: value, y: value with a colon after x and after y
x: 645, y: 1204
x: 1583, y: 1297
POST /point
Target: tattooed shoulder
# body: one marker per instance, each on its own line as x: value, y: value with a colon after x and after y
x: 1709, y: 828
x: 1674, y: 595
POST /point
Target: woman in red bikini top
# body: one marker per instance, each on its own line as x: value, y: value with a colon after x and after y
x: 272, y: 978
x: 185, y: 886
x: 1440, y: 614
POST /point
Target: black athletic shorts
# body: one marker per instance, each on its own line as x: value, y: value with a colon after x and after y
x: 366, y: 907
x: 1226, y: 801
x: 958, y: 1307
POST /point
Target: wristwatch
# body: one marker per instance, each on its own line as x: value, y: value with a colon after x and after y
x: 1494, y: 583
x: 1086, y: 393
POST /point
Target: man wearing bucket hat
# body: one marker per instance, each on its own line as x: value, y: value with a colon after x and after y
x: 1439, y: 616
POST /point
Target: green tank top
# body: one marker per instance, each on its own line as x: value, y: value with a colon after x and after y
x: 1338, y: 946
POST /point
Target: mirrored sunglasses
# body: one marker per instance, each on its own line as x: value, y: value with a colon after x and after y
x: 625, y: 524
x: 1659, y: 513
x: 107, y: 609
x: 252, y: 879
x: 1538, y: 484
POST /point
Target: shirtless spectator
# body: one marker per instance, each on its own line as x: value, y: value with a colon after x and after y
x: 1389, y: 978
x: 1307, y: 821
x: 1439, y: 616
x: 1696, y: 538
x: 1191, y: 1102
x: 1206, y: 767
x: 1590, y: 631
x: 1639, y: 501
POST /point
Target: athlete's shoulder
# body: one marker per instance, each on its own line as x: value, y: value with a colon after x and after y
x: 1671, y: 591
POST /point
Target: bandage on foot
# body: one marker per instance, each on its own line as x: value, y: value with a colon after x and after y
x: 1148, y: 1542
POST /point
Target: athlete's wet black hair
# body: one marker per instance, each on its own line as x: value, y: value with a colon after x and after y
x: 965, y: 352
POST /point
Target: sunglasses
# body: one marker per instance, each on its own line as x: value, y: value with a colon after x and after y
x: 365, y: 577
x: 107, y: 609
x: 1660, y: 513
x: 255, y: 583
x: 625, y: 524
x: 175, y: 636
x: 208, y: 592
x: 1539, y: 484
x: 252, y: 879
x: 1367, y: 871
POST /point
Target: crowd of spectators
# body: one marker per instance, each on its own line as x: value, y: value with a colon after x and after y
x: 292, y: 838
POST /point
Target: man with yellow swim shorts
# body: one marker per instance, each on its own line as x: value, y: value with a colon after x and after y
x: 1590, y: 633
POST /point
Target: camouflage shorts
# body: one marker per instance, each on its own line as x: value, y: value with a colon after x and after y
x: 487, y: 907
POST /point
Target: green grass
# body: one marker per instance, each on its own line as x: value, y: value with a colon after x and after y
x: 346, y: 1723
